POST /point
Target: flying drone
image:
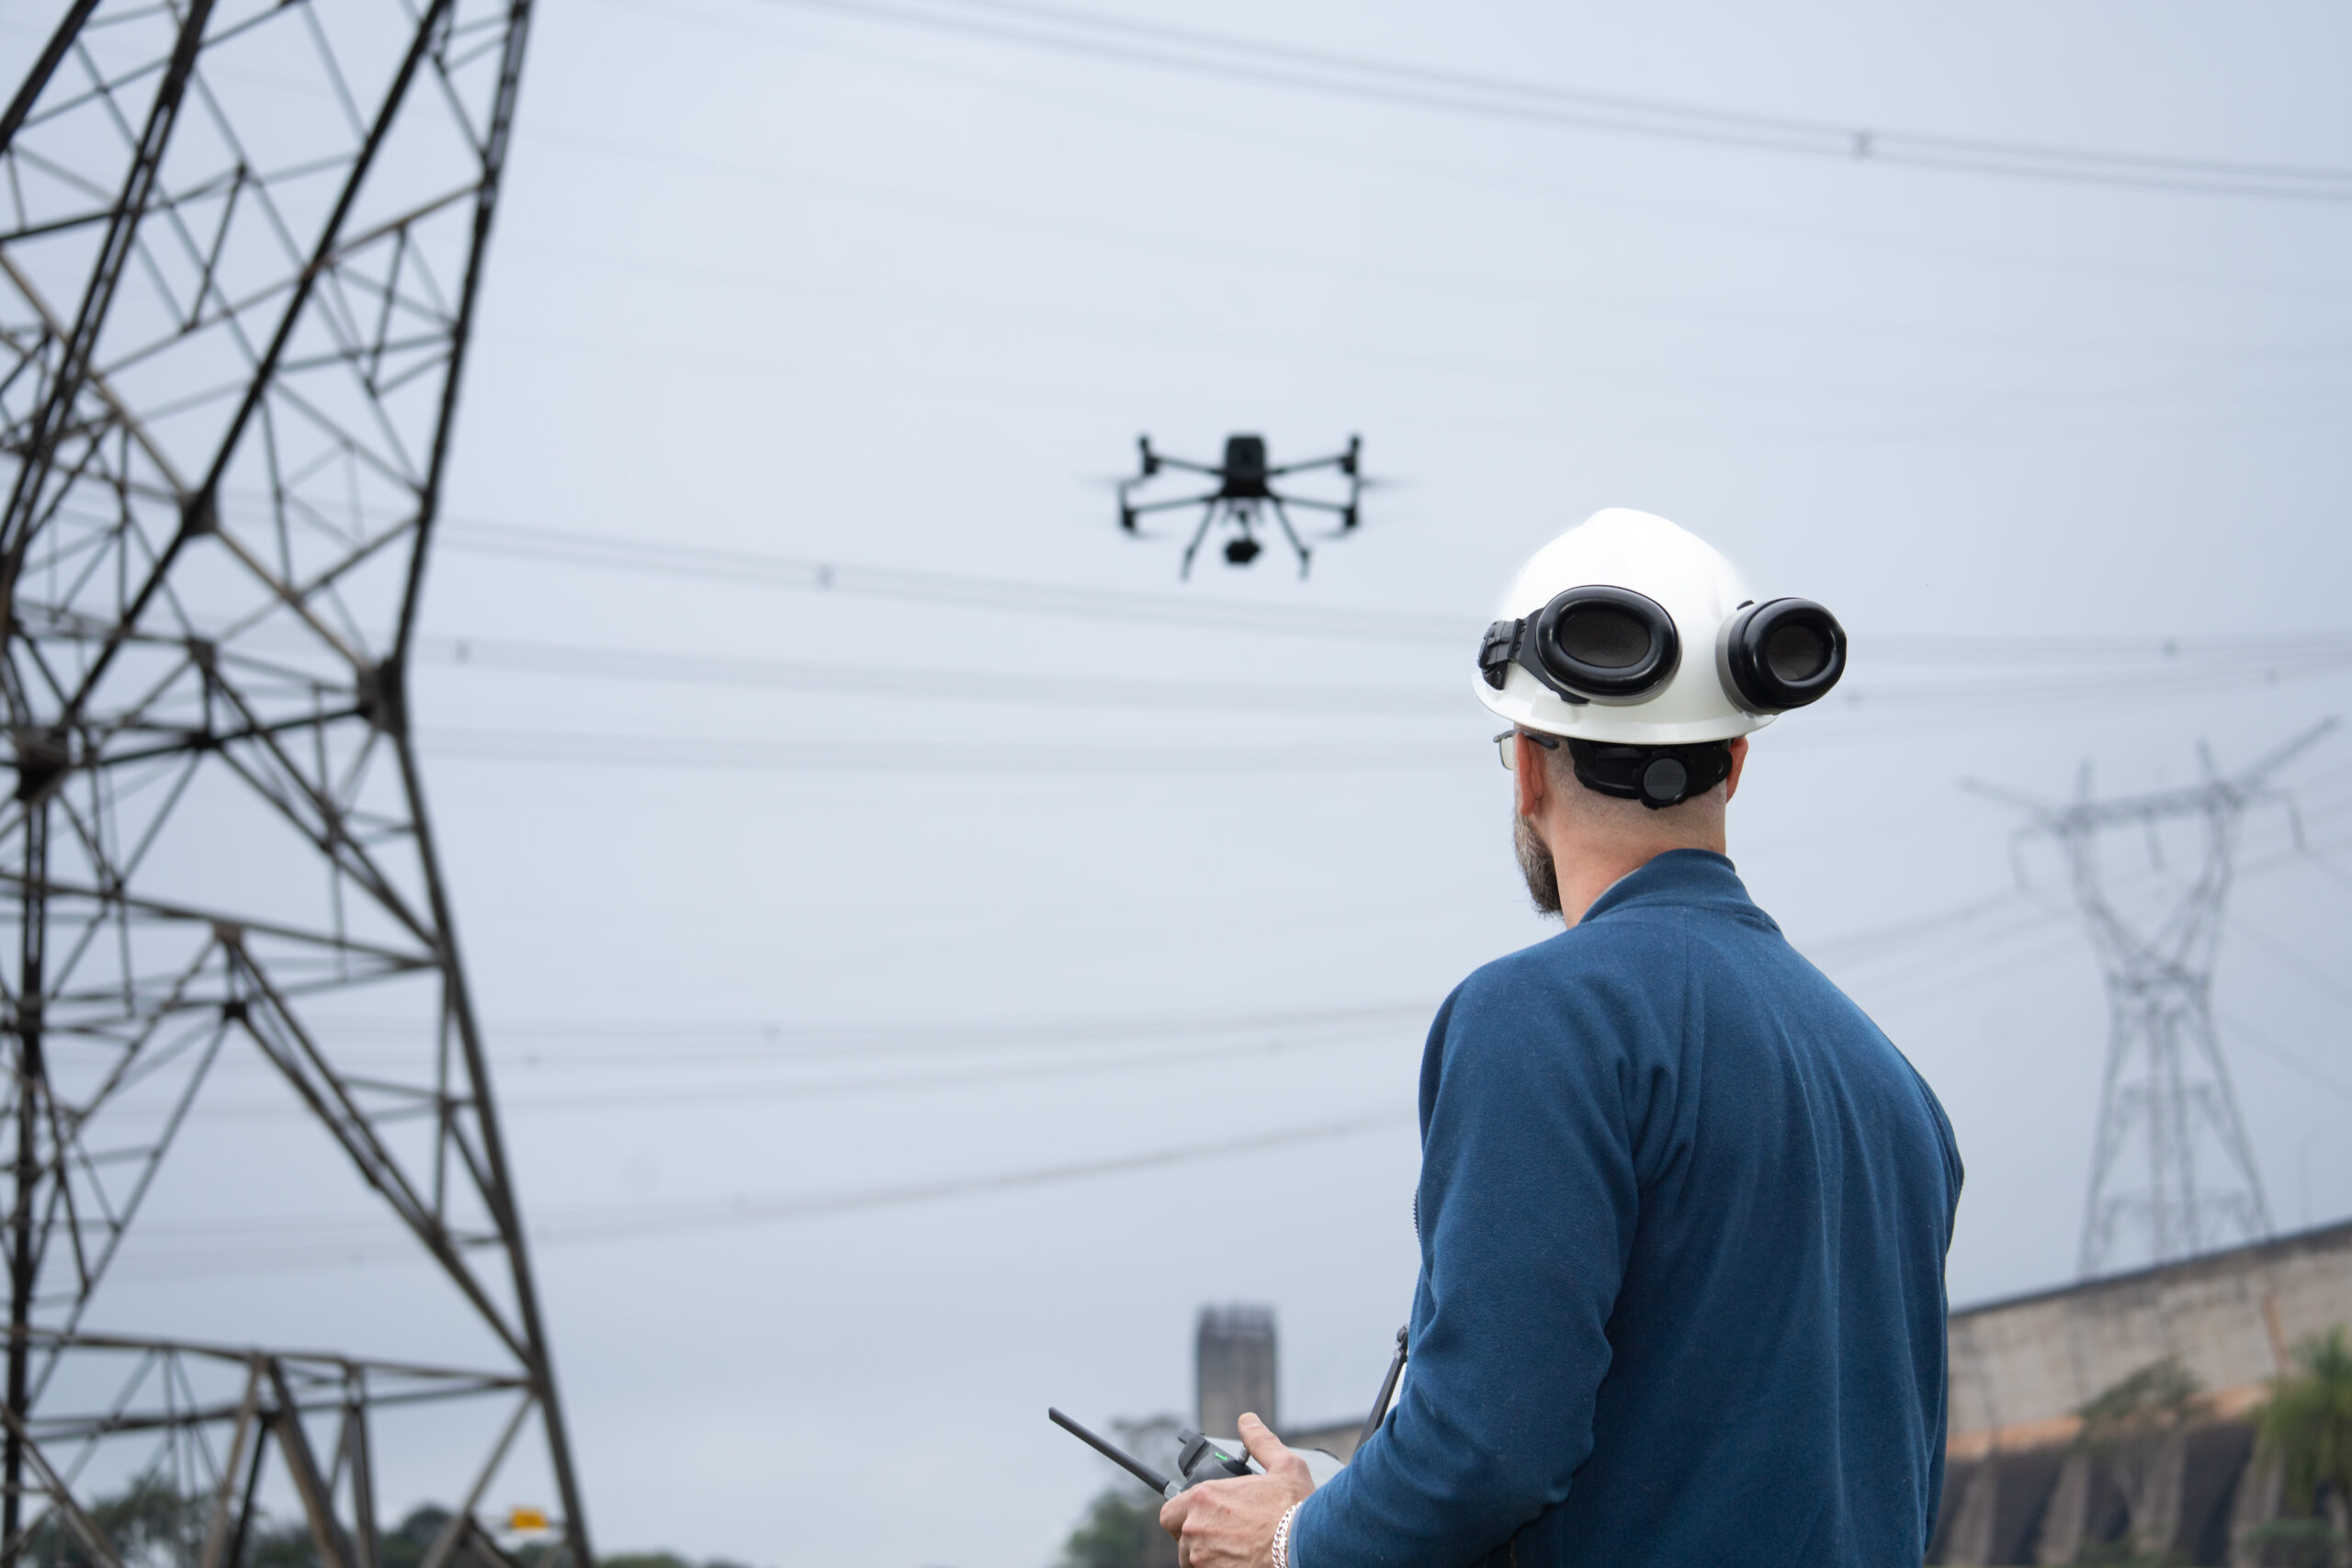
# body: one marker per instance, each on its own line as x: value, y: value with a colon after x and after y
x: 1245, y: 484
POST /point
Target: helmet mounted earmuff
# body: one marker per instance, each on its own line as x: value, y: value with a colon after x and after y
x: 1597, y: 643
x: 1779, y: 655
x: 1592, y: 644
x: 1593, y: 652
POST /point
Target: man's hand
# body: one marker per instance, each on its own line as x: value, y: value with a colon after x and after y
x: 1230, y: 1524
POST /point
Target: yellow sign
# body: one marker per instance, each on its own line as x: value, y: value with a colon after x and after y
x: 528, y: 1519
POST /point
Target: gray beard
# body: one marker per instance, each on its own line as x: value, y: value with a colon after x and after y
x: 1535, y: 864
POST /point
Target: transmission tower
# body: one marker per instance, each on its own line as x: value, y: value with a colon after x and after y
x: 2171, y: 1172
x: 239, y: 248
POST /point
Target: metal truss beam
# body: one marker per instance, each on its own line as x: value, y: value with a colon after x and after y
x: 241, y: 249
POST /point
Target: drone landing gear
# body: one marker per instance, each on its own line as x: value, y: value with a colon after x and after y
x: 1208, y: 516
x: 1283, y: 517
x: 1244, y: 548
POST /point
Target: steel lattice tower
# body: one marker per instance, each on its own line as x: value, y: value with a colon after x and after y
x: 240, y: 247
x: 2170, y: 1161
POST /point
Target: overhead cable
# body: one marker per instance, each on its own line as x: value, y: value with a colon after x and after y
x: 926, y: 1079
x: 760, y: 569
x: 935, y: 684
x: 2238, y: 1029
x: 329, y: 1242
x: 965, y: 759
x: 798, y: 1039
x: 1232, y: 57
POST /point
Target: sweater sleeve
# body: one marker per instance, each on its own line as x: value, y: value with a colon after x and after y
x: 1528, y: 1201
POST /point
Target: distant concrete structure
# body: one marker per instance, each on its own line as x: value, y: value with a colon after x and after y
x: 2021, y: 1487
x: 1234, y: 1368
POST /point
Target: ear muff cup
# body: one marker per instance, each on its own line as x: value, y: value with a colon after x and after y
x: 1602, y: 644
x: 1779, y: 655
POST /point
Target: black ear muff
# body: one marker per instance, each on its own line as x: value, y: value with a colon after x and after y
x: 1600, y: 644
x: 1780, y: 654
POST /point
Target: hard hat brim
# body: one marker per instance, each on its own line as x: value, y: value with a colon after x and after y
x: 1525, y: 703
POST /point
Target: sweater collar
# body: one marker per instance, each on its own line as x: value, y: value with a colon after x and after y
x: 1689, y: 878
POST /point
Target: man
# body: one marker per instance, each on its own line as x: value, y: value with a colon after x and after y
x: 1683, y: 1210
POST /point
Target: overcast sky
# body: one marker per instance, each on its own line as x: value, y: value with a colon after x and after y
x: 815, y: 283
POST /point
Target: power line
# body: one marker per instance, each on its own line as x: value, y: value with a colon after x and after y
x: 2250, y: 656
x: 1454, y: 173
x: 747, y: 568
x: 1551, y: 373
x: 967, y: 759
x: 798, y: 1039
x: 2241, y: 1030
x: 928, y: 1081
x: 1917, y: 973
x: 1232, y: 58
x: 1986, y: 408
x: 1808, y: 323
x: 2173, y: 679
x: 331, y: 1241
x: 2310, y: 973
x: 573, y: 661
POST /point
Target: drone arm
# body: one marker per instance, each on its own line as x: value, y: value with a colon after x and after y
x: 1169, y: 504
x: 1338, y: 460
x: 1344, y: 509
x: 1161, y: 459
x: 1344, y: 461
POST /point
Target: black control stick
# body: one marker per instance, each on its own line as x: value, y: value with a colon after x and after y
x: 1200, y: 1459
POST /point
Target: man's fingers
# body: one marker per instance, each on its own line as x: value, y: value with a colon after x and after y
x: 1260, y: 1440
x: 1172, y: 1512
x: 1269, y: 1451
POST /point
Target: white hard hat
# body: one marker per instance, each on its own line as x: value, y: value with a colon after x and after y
x: 1628, y: 630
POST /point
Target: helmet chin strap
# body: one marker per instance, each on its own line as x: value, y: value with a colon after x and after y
x: 1658, y: 776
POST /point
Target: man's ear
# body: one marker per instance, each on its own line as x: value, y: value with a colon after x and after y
x: 1534, y: 779
x: 1738, y: 762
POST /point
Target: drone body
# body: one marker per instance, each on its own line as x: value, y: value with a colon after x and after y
x: 1243, y: 492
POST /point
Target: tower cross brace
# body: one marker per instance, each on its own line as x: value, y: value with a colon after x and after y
x: 241, y: 251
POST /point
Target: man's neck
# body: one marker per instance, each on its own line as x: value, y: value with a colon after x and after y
x: 1588, y: 871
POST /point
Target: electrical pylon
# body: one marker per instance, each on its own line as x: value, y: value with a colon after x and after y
x: 2171, y: 1166
x: 241, y: 243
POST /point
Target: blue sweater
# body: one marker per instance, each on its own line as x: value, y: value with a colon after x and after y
x: 1683, y: 1213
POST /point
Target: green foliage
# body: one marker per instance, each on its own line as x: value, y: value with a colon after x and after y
x: 152, y: 1524
x: 1121, y: 1531
x: 2125, y: 1553
x: 2128, y: 1426
x: 2307, y: 1425
x: 2152, y: 1402
x: 2296, y: 1543
x: 406, y: 1543
x: 149, y: 1524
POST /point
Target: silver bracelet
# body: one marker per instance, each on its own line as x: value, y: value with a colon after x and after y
x: 1282, y: 1536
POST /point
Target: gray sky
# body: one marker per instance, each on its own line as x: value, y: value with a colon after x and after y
x: 792, y: 280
